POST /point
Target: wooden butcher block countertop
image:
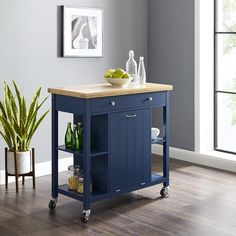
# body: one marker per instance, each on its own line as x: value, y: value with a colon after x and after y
x: 106, y: 90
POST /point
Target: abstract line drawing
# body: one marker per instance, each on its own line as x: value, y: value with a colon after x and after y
x: 82, y: 34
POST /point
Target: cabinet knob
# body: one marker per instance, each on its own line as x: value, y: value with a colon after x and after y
x: 131, y: 116
x: 113, y: 103
x: 149, y: 99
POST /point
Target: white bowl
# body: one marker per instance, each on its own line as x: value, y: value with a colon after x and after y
x: 119, y: 82
x: 155, y: 133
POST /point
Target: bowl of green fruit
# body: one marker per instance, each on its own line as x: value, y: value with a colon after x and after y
x: 117, y: 77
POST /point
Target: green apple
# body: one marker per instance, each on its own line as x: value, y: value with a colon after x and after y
x: 125, y: 76
x: 109, y: 73
x: 118, y: 73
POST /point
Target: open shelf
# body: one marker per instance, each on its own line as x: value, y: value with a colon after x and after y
x: 156, y: 178
x: 63, y: 189
x: 100, y: 195
x: 158, y: 140
x: 94, y: 152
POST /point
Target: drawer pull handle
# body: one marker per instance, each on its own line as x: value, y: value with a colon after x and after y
x: 149, y: 99
x: 118, y: 190
x: 131, y: 116
x: 112, y: 103
x: 143, y: 183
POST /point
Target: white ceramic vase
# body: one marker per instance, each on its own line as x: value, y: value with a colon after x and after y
x: 24, y: 162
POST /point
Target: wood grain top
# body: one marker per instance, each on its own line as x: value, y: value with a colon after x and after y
x: 106, y: 90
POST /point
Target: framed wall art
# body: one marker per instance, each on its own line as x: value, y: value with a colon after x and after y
x: 82, y: 32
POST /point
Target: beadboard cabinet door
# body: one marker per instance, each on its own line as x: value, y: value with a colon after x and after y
x: 130, y: 149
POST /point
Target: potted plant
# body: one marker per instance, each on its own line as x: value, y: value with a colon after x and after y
x: 18, y: 127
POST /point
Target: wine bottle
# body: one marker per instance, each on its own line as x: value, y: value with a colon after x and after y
x: 68, y: 136
x: 80, y: 133
x: 75, y: 138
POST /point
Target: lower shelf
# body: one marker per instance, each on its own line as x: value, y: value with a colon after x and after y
x: 155, y: 177
x: 97, y: 196
x: 158, y: 140
x: 63, y: 189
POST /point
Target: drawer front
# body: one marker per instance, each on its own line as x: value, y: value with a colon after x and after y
x: 115, y: 103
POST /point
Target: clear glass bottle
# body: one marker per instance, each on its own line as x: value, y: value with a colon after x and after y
x: 75, y: 138
x: 80, y: 188
x: 141, y: 71
x: 80, y: 133
x: 73, y: 177
x: 131, y: 67
x: 68, y: 136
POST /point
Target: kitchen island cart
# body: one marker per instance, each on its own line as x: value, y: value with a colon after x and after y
x: 116, y: 154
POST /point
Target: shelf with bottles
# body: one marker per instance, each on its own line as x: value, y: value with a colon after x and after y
x: 99, y: 137
x: 74, y: 137
x: 75, y: 179
x: 95, y: 195
x: 94, y: 152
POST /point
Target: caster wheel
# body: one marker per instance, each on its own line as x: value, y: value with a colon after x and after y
x: 165, y: 192
x: 85, y: 216
x: 52, y: 204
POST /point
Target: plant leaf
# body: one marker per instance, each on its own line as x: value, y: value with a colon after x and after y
x: 23, y: 115
x: 12, y: 103
x: 3, y: 112
x: 34, y: 128
x: 7, y: 104
x: 6, y: 132
x: 33, y: 105
x: 18, y: 123
x: 34, y: 115
x: 9, y: 131
x: 7, y: 140
x: 17, y: 128
x: 44, y: 100
x: 17, y: 93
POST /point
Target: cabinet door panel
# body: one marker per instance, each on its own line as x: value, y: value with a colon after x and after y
x: 143, y: 148
x: 130, y: 149
x: 117, y: 153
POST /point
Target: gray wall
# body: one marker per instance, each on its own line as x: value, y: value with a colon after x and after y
x: 29, y: 50
x: 171, y: 61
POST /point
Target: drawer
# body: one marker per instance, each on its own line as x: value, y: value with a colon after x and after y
x: 109, y: 104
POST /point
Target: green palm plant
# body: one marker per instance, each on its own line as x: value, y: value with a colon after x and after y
x: 18, y: 123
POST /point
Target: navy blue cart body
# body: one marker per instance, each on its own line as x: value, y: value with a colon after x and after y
x: 117, y: 143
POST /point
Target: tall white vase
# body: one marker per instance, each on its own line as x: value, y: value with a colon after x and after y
x: 24, y: 162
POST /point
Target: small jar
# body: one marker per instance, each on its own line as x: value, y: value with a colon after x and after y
x: 73, y: 177
x: 80, y: 188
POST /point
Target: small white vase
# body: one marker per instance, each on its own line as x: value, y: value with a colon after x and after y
x: 24, y: 162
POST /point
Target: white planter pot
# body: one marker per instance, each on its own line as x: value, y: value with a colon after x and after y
x: 24, y: 162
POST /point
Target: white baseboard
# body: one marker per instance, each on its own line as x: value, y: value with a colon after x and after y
x: 211, y: 160
x: 41, y: 169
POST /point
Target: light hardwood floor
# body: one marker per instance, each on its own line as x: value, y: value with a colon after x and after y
x: 202, y: 202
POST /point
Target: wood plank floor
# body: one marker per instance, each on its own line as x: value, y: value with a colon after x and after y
x: 202, y: 202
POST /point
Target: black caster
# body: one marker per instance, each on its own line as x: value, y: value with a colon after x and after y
x: 165, y: 192
x: 52, y: 204
x: 85, y: 216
